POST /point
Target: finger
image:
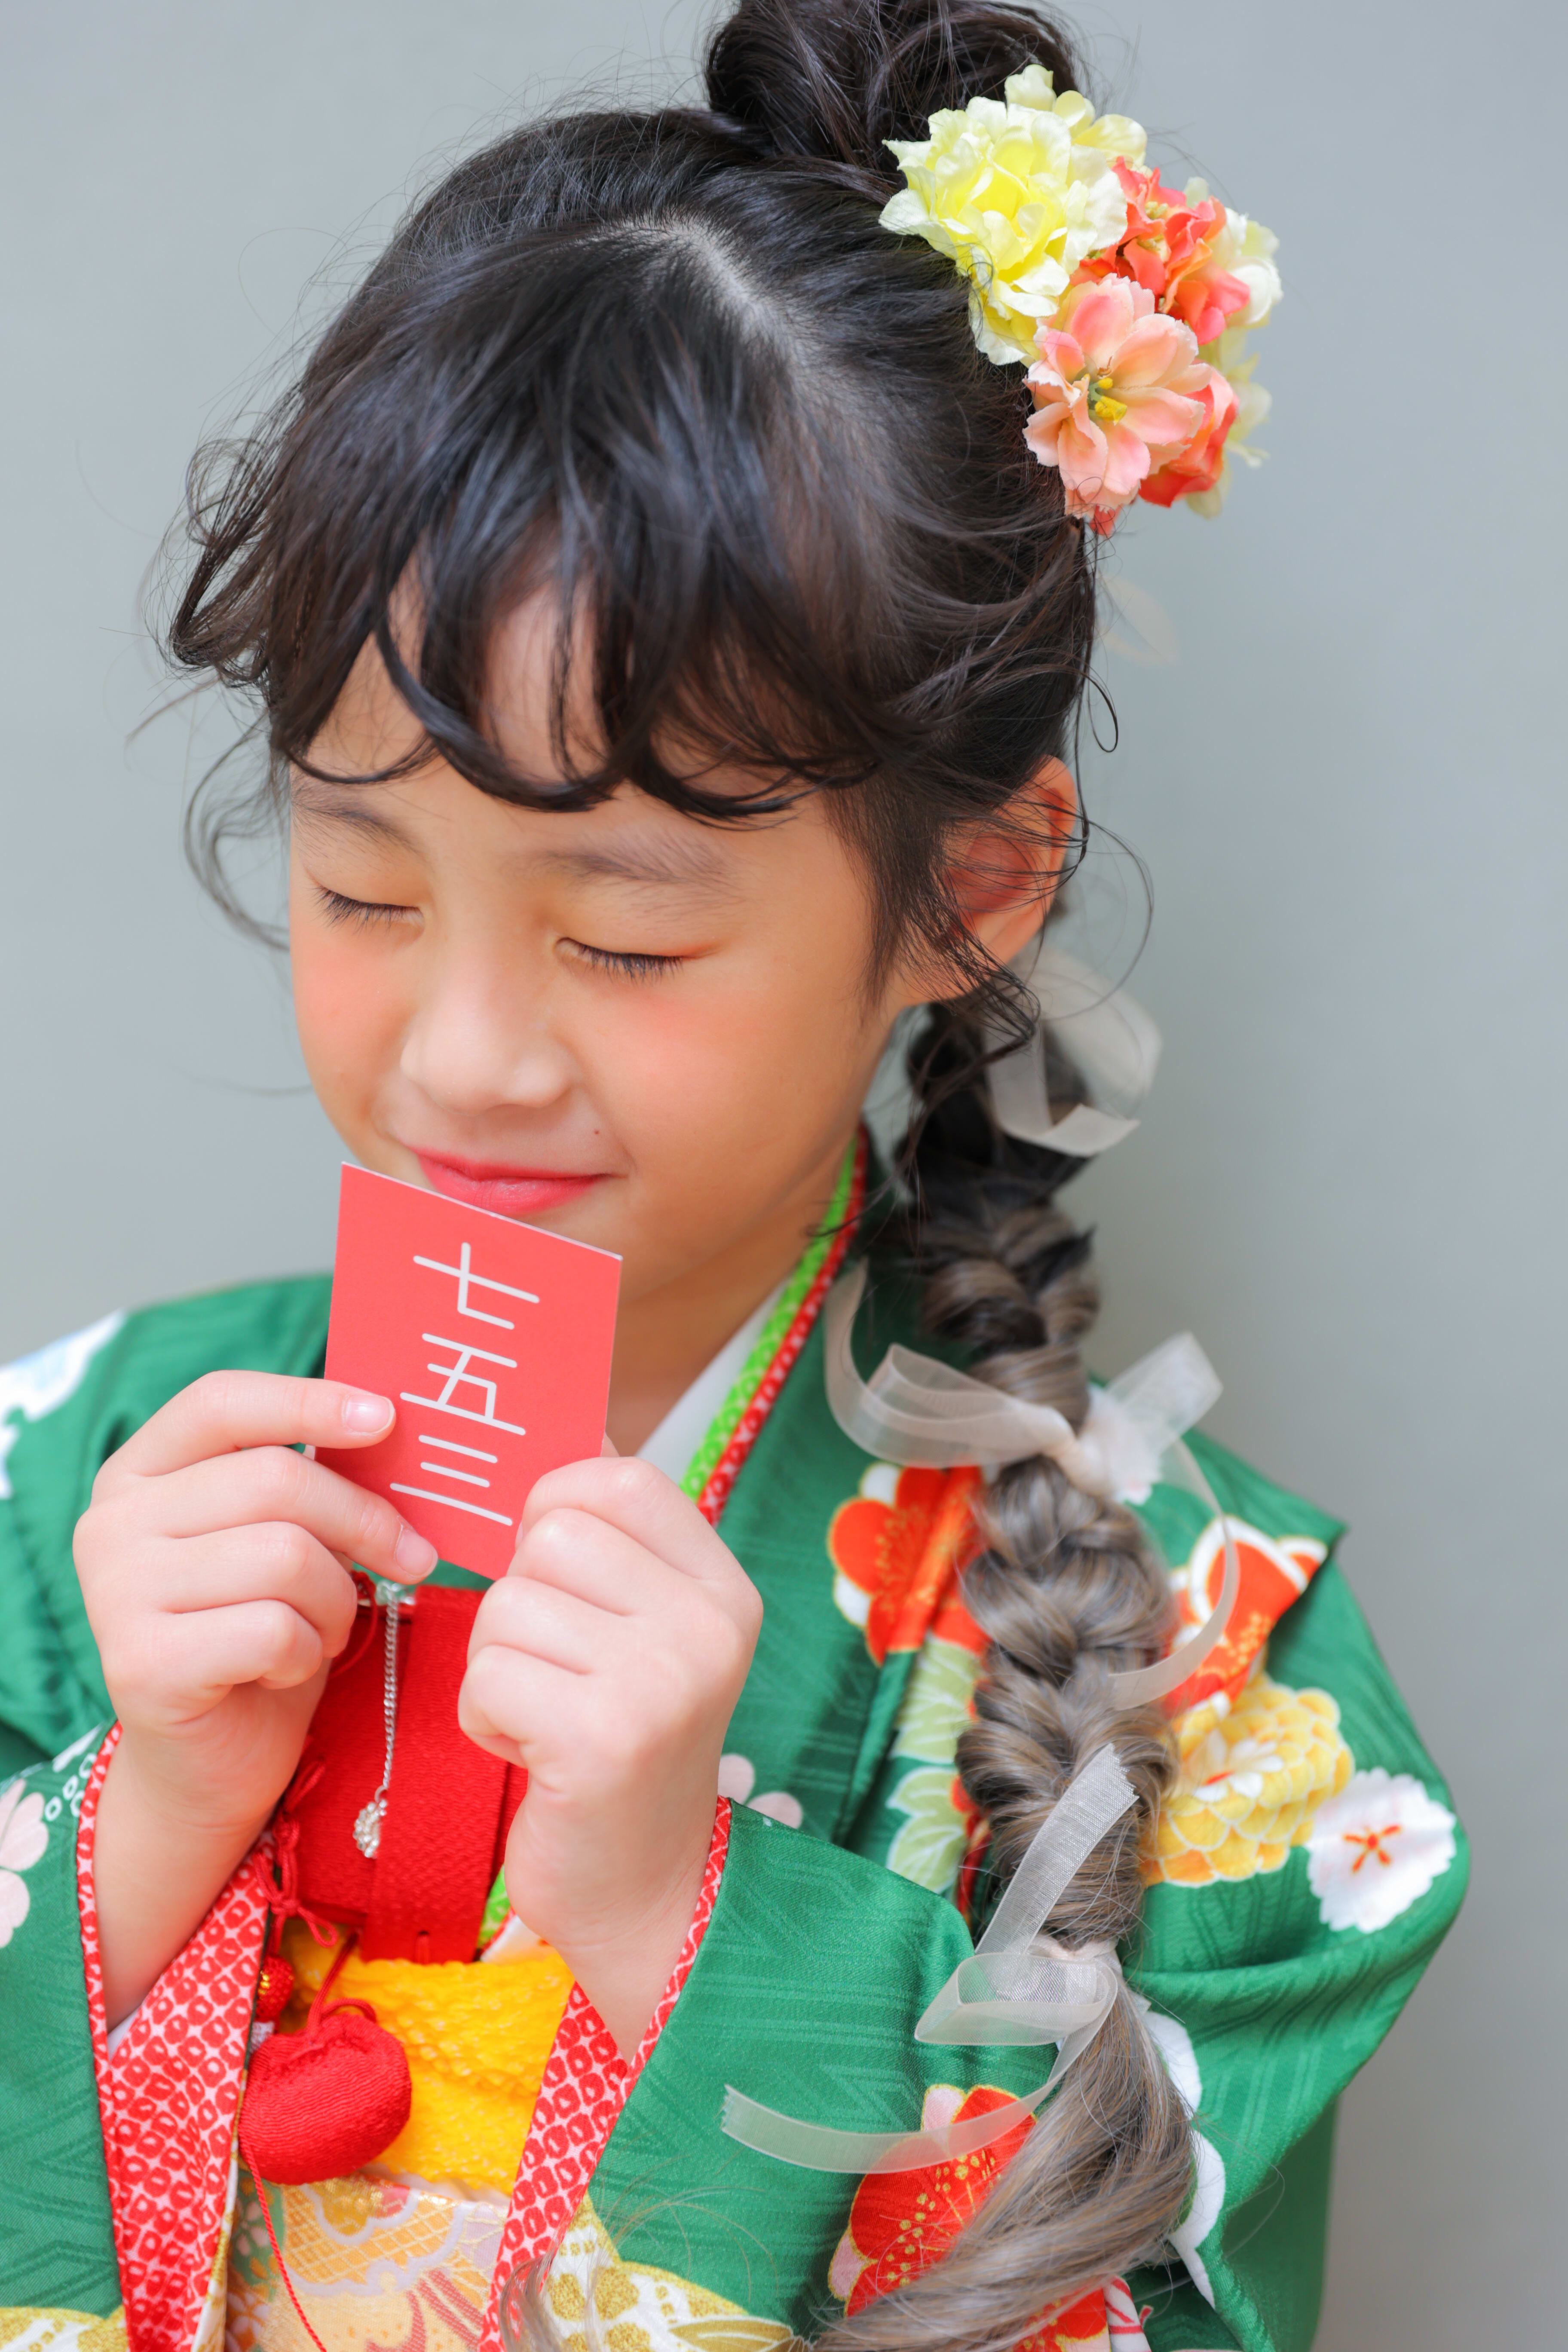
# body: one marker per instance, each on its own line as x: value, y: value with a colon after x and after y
x: 631, y: 1495
x: 275, y: 1561
x: 184, y: 1666
x: 272, y: 1482
x: 587, y: 1556
x: 545, y: 1622
x: 224, y: 1411
x: 506, y: 1695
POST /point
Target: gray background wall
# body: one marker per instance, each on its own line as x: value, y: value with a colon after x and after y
x: 1347, y: 783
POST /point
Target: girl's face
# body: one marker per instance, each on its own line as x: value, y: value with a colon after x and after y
x: 646, y: 1032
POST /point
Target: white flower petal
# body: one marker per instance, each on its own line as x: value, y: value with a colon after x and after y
x: 780, y: 1806
x: 1376, y: 1848
x: 737, y: 1778
x: 23, y: 1837
x: 14, y: 1904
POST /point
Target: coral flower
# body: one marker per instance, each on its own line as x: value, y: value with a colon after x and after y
x: 1195, y: 470
x: 1120, y: 392
x: 901, y: 2222
x: 1172, y: 247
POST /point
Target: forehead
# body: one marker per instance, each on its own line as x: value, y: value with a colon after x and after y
x: 630, y: 838
x: 629, y: 841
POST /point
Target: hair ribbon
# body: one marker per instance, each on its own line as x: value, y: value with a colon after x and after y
x: 1110, y: 1040
x: 1017, y: 1986
x: 919, y: 1411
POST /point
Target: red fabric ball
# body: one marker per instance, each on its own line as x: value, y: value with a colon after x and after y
x: 323, y: 2103
x: 274, y: 1989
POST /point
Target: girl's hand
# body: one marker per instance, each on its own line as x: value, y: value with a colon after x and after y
x: 214, y: 1565
x: 608, y: 1662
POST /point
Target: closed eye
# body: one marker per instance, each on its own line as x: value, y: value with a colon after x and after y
x: 630, y: 966
x: 365, y: 912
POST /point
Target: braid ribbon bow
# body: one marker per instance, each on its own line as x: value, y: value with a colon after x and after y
x: 919, y: 1411
x: 1017, y: 1985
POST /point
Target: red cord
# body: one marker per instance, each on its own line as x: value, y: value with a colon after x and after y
x: 277, y: 2249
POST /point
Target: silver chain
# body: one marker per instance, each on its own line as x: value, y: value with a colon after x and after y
x: 369, y: 1817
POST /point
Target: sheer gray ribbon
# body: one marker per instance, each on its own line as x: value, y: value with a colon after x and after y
x: 916, y: 1410
x: 1017, y: 1986
x: 1113, y: 1044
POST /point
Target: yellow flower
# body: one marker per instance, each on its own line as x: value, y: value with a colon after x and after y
x: 1017, y: 192
x: 1253, y: 1777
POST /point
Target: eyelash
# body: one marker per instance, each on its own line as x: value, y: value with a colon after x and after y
x: 630, y: 966
x: 369, y: 913
x: 363, y: 911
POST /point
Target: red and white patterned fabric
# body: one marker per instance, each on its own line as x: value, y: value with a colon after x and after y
x: 168, y: 2099
x: 586, y: 2083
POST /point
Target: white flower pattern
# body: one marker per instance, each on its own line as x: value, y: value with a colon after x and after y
x: 1175, y: 2047
x: 1375, y: 1848
x: 37, y: 1384
x: 23, y: 1842
x: 737, y: 1778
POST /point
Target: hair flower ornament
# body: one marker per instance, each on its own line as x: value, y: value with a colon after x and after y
x: 1129, y: 302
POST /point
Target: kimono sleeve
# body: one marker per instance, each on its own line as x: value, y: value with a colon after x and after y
x: 804, y: 1993
x: 1306, y: 1871
x: 62, y: 1412
x: 57, y: 2236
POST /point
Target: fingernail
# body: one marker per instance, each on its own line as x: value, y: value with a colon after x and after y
x: 366, y: 1412
x: 415, y: 1552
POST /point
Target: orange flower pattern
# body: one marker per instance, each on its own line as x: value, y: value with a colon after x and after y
x: 1275, y: 1572
x: 897, y: 1550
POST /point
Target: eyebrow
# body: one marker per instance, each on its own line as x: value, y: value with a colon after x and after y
x: 662, y: 864
x: 318, y: 803
x: 695, y: 865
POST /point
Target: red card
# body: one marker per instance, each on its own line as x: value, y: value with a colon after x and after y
x: 492, y: 1339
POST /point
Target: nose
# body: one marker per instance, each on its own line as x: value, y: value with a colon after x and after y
x: 479, y: 1044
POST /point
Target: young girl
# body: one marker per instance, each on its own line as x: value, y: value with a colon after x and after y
x: 668, y: 594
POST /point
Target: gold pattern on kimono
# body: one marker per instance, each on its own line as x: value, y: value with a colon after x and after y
x: 600, y: 2302
x: 1253, y: 1777
x: 53, y: 2330
x: 372, y: 2261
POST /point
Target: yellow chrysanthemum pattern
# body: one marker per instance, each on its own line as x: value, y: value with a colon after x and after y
x: 1253, y: 1777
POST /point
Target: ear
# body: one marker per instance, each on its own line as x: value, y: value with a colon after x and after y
x: 1005, y: 876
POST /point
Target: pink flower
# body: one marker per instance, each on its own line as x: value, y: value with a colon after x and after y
x: 1119, y: 395
x: 1169, y: 249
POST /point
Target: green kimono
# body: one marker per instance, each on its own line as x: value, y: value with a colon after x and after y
x: 1304, y: 1875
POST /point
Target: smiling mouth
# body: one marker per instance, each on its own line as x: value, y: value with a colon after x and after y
x: 508, y: 1192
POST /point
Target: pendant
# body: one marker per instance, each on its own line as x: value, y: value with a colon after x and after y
x: 369, y: 1817
x: 367, y: 1827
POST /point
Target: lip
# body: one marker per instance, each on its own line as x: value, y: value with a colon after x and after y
x: 507, y: 1192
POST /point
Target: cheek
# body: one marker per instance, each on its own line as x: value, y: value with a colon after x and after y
x: 347, y: 1006
x: 761, y: 1060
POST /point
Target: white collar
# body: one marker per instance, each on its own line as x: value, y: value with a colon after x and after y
x: 672, y: 1446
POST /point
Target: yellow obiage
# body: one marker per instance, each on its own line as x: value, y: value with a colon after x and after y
x: 477, y: 2033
